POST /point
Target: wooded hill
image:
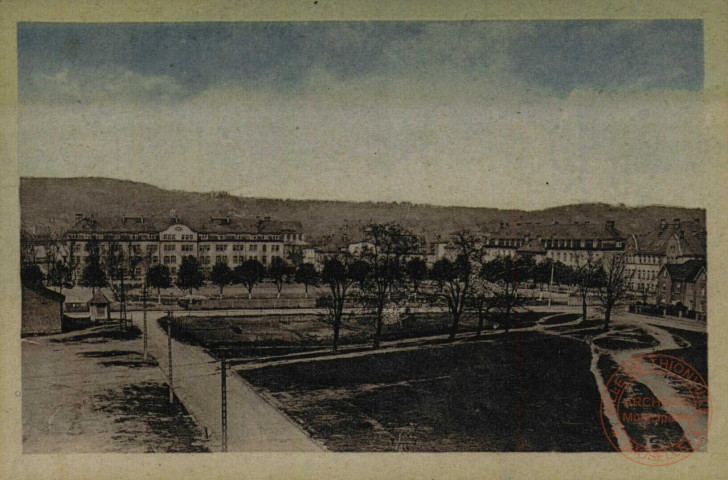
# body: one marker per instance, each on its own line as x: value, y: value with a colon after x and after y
x: 52, y: 203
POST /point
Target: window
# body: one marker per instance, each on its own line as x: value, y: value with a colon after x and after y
x: 221, y: 248
x: 155, y: 259
x: 151, y: 248
x: 166, y: 259
x: 253, y: 248
x: 170, y: 248
x: 221, y: 259
x: 265, y: 259
x: 264, y: 247
x: 188, y: 248
x: 204, y: 248
x: 173, y: 259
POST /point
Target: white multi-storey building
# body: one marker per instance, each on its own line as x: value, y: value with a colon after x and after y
x: 216, y: 240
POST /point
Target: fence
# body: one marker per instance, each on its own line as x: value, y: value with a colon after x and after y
x: 667, y: 310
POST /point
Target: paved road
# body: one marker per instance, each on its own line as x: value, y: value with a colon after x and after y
x: 253, y: 424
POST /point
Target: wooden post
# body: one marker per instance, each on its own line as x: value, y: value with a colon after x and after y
x: 169, y: 350
x: 144, y: 317
x: 223, y: 398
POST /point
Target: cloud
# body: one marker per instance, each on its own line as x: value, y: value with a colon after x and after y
x: 101, y: 85
x: 409, y: 143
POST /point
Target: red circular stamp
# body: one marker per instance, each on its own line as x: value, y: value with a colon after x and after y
x: 656, y: 409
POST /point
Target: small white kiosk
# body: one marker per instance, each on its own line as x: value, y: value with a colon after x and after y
x: 99, y: 308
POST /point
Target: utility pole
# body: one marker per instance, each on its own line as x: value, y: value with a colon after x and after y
x: 551, y: 283
x: 169, y: 350
x: 144, y: 317
x: 122, y: 314
x: 223, y: 398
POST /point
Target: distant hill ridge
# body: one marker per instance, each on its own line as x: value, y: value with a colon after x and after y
x: 54, y: 202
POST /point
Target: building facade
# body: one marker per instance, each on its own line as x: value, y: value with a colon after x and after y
x: 684, y: 285
x: 42, y: 311
x: 215, y: 240
x: 569, y: 243
x: 667, y: 243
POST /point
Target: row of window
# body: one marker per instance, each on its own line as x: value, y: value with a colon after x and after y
x: 646, y: 274
x: 236, y: 259
x: 645, y: 259
x: 183, y: 237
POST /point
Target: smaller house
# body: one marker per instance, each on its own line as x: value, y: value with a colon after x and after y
x: 99, y: 307
x: 42, y: 311
x: 684, y: 285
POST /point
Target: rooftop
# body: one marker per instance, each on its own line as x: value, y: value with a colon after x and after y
x: 685, y: 271
x: 691, y: 235
x: 220, y: 224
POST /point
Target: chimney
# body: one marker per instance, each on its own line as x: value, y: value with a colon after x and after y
x: 676, y: 222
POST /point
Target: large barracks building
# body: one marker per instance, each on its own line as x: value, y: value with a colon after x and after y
x: 214, y: 240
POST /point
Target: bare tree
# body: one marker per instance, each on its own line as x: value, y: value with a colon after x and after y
x: 645, y: 291
x: 587, y: 276
x: 27, y: 247
x: 613, y: 284
x: 506, y: 274
x: 336, y: 275
x: 384, y: 277
x: 280, y: 272
x: 453, y: 278
x: 483, y: 299
x: 52, y: 245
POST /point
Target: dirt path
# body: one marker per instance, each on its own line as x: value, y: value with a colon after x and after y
x: 91, y: 392
x: 659, y: 381
x: 253, y: 424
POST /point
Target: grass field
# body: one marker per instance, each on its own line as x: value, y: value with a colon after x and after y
x: 696, y: 353
x: 244, y: 337
x: 516, y: 392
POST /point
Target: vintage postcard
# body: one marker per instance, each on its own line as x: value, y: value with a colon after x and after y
x: 334, y: 246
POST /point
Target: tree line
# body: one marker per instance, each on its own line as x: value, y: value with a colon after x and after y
x: 383, y: 277
x: 389, y: 271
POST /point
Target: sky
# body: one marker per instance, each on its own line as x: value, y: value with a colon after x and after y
x: 522, y: 114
